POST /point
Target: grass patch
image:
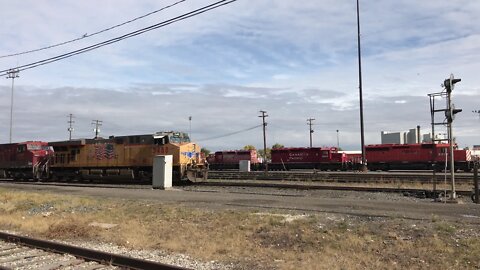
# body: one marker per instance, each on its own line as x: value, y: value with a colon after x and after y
x: 250, y: 240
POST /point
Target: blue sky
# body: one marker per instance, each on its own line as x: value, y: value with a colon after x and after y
x: 295, y: 60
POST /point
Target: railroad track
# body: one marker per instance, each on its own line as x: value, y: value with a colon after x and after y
x: 340, y: 177
x: 21, y: 252
x: 260, y: 184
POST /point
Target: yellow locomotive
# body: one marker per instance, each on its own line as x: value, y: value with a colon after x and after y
x: 126, y: 157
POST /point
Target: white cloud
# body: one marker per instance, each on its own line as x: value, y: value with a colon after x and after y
x: 294, y: 59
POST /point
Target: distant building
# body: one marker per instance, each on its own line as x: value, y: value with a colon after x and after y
x: 411, y: 136
x: 392, y: 137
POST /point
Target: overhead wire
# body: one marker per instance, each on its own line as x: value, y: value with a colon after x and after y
x: 93, y: 34
x: 229, y: 134
x: 117, y: 39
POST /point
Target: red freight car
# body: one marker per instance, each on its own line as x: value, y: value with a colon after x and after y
x: 24, y: 160
x: 321, y: 158
x: 222, y: 160
x: 414, y: 157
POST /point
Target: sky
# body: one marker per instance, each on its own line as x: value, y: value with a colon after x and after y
x: 294, y: 59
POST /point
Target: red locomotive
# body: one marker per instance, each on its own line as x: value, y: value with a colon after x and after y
x: 414, y: 157
x: 25, y: 160
x: 224, y: 160
x: 321, y: 158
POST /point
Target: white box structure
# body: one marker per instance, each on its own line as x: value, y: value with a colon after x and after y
x: 162, y: 171
x: 244, y: 165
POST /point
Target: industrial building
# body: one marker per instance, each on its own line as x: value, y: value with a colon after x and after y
x: 405, y: 137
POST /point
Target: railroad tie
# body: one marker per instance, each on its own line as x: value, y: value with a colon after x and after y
x: 57, y: 265
x: 23, y: 256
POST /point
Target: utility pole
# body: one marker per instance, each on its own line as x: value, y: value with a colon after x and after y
x: 338, y: 141
x: 362, y: 136
x: 12, y: 74
x: 190, y: 127
x: 97, y: 124
x: 70, y: 126
x: 264, y: 114
x: 309, y: 120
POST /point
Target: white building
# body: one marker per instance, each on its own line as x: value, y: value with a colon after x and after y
x: 392, y: 137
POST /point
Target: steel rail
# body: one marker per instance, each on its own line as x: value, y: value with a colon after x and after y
x: 332, y: 176
x: 87, y: 254
x: 320, y: 187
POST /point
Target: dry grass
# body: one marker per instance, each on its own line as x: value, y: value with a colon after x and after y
x: 250, y: 240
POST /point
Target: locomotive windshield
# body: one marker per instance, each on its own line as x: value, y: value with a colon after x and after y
x: 31, y: 147
x: 179, y: 137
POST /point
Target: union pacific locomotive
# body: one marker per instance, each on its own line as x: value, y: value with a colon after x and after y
x: 122, y: 157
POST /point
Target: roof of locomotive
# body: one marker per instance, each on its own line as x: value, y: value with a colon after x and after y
x: 143, y: 138
x: 23, y: 143
x: 303, y: 148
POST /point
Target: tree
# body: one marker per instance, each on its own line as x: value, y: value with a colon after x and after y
x: 249, y: 147
x: 269, y: 153
x: 277, y: 145
x: 205, y: 151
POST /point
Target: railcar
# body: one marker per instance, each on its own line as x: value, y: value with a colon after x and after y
x: 415, y: 157
x: 25, y: 160
x: 319, y: 158
x: 228, y: 160
x: 126, y: 157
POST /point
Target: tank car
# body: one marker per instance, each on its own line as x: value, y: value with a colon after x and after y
x: 25, y: 160
x: 127, y: 157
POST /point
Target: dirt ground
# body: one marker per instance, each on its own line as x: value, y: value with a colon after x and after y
x: 248, y: 228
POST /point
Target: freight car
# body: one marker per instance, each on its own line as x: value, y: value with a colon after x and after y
x: 26, y: 160
x: 319, y: 158
x: 228, y: 160
x: 126, y: 157
x: 415, y: 157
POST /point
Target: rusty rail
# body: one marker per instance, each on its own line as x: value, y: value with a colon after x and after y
x: 87, y: 254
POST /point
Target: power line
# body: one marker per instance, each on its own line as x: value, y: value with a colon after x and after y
x: 93, y: 34
x: 229, y: 134
x: 117, y: 39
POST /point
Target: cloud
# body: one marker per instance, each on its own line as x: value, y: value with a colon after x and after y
x: 295, y: 60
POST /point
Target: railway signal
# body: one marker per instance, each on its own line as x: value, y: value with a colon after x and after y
x: 449, y: 112
x: 450, y: 83
x: 450, y: 115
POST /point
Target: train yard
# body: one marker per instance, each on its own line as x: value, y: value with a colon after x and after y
x: 99, y: 191
x: 258, y: 224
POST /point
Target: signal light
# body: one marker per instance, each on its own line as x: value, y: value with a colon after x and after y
x: 450, y: 114
x: 450, y: 83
